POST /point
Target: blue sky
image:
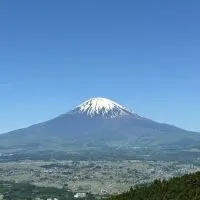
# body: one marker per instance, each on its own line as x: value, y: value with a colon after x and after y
x: 142, y: 54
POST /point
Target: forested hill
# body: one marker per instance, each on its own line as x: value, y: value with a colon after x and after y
x: 186, y: 187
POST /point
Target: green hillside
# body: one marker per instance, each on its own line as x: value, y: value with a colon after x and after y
x: 186, y: 187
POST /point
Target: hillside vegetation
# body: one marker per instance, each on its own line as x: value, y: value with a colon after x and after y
x: 186, y: 187
x: 26, y: 191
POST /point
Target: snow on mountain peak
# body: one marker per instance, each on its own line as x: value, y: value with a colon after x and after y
x: 101, y: 107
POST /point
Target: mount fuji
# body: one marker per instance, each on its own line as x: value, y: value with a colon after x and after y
x: 102, y: 108
x: 97, y: 123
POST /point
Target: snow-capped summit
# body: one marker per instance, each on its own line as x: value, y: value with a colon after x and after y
x: 97, y: 123
x: 101, y: 107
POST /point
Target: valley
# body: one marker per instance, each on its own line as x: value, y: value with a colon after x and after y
x: 98, y: 177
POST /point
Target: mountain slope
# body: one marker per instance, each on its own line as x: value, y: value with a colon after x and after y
x: 98, y: 120
x: 186, y: 187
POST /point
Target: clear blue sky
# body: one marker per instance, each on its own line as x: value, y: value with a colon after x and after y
x: 142, y: 54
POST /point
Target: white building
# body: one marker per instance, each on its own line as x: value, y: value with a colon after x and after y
x: 80, y: 195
